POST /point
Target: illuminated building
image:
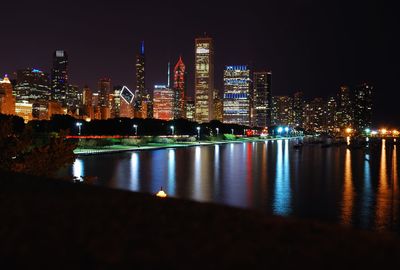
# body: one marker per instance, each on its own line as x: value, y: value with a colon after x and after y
x: 262, y: 99
x: 40, y: 110
x: 104, y: 88
x: 87, y: 96
x: 23, y: 109
x: 315, y: 115
x: 237, y: 95
x: 344, y: 109
x: 179, y: 89
x: 218, y: 107
x: 362, y: 107
x: 126, y: 108
x: 204, y: 79
x: 163, y: 102
x: 298, y: 109
x: 331, y: 115
x: 32, y: 84
x: 116, y: 102
x: 282, y: 107
x: 141, y: 95
x: 87, y: 103
x: 190, y: 109
x: 73, y: 96
x: 59, y: 77
x: 7, y: 99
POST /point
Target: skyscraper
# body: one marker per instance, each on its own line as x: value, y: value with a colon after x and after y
x: 218, y: 106
x: 104, y: 87
x: 237, y: 95
x: 32, y: 84
x: 262, y: 99
x: 282, y: 110
x: 141, y: 95
x: 344, y: 109
x: 331, y: 117
x: 7, y: 100
x: 298, y: 109
x: 204, y: 79
x: 363, y: 107
x: 179, y: 89
x: 163, y: 102
x: 315, y: 112
x: 190, y: 109
x: 59, y: 77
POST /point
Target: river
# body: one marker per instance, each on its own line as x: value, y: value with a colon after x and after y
x: 359, y: 188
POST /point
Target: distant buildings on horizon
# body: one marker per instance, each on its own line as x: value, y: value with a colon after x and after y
x: 247, y: 97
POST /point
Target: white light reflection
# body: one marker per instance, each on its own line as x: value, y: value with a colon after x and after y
x: 197, y: 173
x: 216, y: 169
x: 282, y: 198
x: 77, y: 169
x: 171, y: 172
x: 367, y: 193
x: 134, y: 181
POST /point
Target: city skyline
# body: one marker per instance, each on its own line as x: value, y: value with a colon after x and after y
x: 356, y: 49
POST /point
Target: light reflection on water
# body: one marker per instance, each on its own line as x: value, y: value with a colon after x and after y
x: 348, y: 194
x: 353, y: 187
x: 282, y: 194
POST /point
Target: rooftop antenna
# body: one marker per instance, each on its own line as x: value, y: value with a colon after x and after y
x: 169, y: 74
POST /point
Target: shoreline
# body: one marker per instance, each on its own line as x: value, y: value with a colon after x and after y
x: 152, y: 147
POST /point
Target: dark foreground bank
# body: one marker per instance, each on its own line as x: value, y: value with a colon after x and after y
x: 63, y: 225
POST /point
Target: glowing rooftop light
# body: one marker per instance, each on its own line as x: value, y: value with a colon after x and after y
x: 287, y: 129
x: 280, y: 129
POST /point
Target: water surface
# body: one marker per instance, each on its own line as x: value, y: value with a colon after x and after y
x: 352, y: 187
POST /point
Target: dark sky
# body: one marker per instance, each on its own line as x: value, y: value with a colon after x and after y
x: 310, y: 46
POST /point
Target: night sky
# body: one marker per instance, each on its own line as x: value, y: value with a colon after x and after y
x: 310, y: 46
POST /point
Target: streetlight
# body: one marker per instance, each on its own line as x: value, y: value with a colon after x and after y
x: 135, y: 126
x: 280, y: 130
x: 79, y: 125
x: 172, y: 129
x: 198, y: 133
x: 217, y: 131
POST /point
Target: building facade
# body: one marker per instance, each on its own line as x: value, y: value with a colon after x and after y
x: 190, y: 109
x: 59, y: 77
x: 204, y: 79
x: 179, y: 89
x: 363, y: 107
x: 262, y: 99
x: 344, y: 109
x: 282, y: 111
x: 298, y: 109
x: 237, y: 95
x: 142, y: 97
x: 7, y: 99
x: 32, y: 84
x: 163, y: 103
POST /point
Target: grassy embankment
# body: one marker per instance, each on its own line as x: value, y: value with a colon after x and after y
x: 98, y: 146
x: 61, y: 225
